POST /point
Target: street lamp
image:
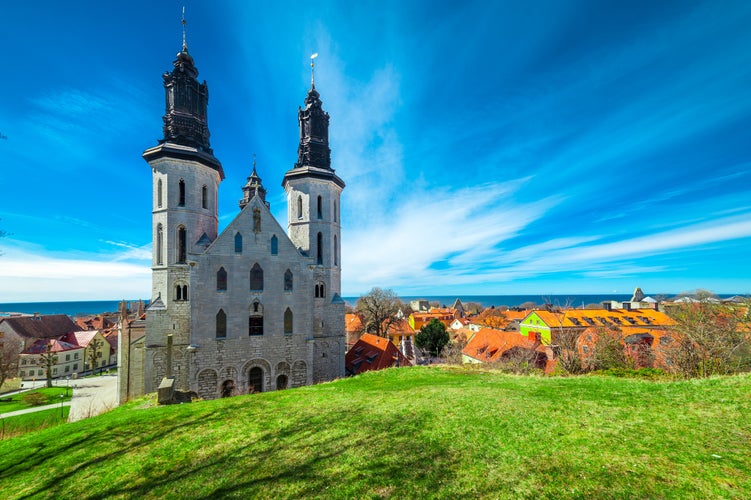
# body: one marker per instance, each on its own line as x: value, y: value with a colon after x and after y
x: 62, y: 398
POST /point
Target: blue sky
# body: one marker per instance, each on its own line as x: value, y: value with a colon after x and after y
x: 543, y: 147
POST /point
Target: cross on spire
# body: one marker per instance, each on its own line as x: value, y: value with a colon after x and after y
x: 313, y: 70
x: 185, y: 40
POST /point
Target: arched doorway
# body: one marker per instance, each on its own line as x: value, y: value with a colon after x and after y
x: 282, y: 382
x: 228, y: 388
x: 255, y: 380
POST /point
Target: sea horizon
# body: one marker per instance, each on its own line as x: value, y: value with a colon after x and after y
x: 93, y: 307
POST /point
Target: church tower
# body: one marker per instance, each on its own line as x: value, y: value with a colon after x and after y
x: 313, y: 204
x: 185, y: 183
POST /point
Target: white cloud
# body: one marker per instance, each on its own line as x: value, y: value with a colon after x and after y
x: 33, y: 276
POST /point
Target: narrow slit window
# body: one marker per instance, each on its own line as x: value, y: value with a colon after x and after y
x: 181, y: 193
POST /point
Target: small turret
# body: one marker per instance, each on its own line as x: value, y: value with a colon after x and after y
x: 253, y: 187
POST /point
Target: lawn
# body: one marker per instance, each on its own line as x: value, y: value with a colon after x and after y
x: 51, y: 393
x: 32, y: 422
x: 408, y: 433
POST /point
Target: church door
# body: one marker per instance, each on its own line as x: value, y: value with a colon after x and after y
x: 255, y: 383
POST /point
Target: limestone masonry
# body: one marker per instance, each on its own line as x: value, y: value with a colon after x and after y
x: 254, y: 308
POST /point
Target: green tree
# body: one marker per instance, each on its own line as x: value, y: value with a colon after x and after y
x: 378, y: 310
x: 432, y: 337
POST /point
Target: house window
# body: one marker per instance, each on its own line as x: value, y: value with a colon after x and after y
x: 67, y: 357
x: 221, y: 324
x: 23, y: 373
x: 67, y: 368
x: 255, y: 319
x: 23, y: 361
x: 274, y: 245
x: 182, y: 238
x: 319, y: 259
x: 204, y: 197
x: 221, y: 279
x: 159, y: 193
x: 256, y: 278
x: 181, y: 193
x: 54, y: 371
x: 299, y: 207
x: 238, y: 243
x: 75, y: 366
x: 288, y: 281
x: 320, y: 208
x: 159, y: 244
x: 288, y: 321
x: 75, y: 356
x: 320, y: 290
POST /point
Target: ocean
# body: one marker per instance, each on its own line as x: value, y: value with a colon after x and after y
x: 84, y: 308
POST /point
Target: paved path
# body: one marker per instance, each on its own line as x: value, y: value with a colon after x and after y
x: 92, y: 396
x: 33, y: 410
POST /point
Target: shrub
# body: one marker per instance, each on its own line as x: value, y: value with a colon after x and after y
x: 34, y: 399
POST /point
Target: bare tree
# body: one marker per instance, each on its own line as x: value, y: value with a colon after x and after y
x: 712, y: 338
x: 47, y: 359
x: 8, y: 361
x: 378, y: 309
x: 94, y: 352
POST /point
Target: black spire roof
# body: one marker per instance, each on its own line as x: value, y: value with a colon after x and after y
x: 253, y: 187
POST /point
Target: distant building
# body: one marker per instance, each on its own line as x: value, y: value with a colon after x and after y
x: 68, y: 359
x: 489, y: 346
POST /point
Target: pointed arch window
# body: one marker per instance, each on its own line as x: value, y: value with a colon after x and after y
x: 336, y: 252
x: 288, y: 321
x: 299, y: 207
x: 255, y: 319
x: 274, y: 245
x: 319, y: 210
x: 319, y: 258
x: 221, y: 324
x: 204, y: 197
x: 238, y: 243
x: 159, y: 193
x: 288, y: 281
x: 182, y: 243
x: 181, y: 193
x: 221, y: 279
x: 256, y: 278
x: 159, y: 244
x: 320, y: 290
x: 181, y: 292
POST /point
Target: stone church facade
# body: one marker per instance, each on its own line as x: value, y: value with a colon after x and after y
x: 253, y: 308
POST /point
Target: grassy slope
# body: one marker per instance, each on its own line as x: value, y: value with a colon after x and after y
x: 408, y: 433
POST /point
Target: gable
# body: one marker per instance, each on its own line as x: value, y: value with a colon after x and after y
x: 245, y: 224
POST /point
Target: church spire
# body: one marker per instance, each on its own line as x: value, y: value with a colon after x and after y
x: 253, y: 187
x: 313, y: 150
x: 185, y: 119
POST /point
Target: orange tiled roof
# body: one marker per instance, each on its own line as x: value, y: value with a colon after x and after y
x: 515, y: 315
x: 489, y: 344
x: 400, y: 327
x: 573, y: 318
x: 373, y: 353
x: 352, y: 323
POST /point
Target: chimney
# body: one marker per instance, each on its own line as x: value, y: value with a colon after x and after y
x: 607, y: 305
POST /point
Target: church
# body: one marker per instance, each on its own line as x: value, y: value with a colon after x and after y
x: 254, y: 308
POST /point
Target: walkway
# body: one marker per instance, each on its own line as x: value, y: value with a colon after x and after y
x: 33, y: 410
x: 92, y: 396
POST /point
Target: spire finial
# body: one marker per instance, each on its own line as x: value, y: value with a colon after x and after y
x: 313, y: 70
x: 254, y: 162
x: 185, y: 40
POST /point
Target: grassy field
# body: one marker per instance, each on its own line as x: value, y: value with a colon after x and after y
x: 51, y: 393
x: 32, y: 422
x: 408, y: 433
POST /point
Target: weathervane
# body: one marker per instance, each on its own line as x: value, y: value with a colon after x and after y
x: 313, y: 70
x: 185, y: 41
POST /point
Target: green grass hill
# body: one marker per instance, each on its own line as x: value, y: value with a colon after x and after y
x: 407, y: 433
